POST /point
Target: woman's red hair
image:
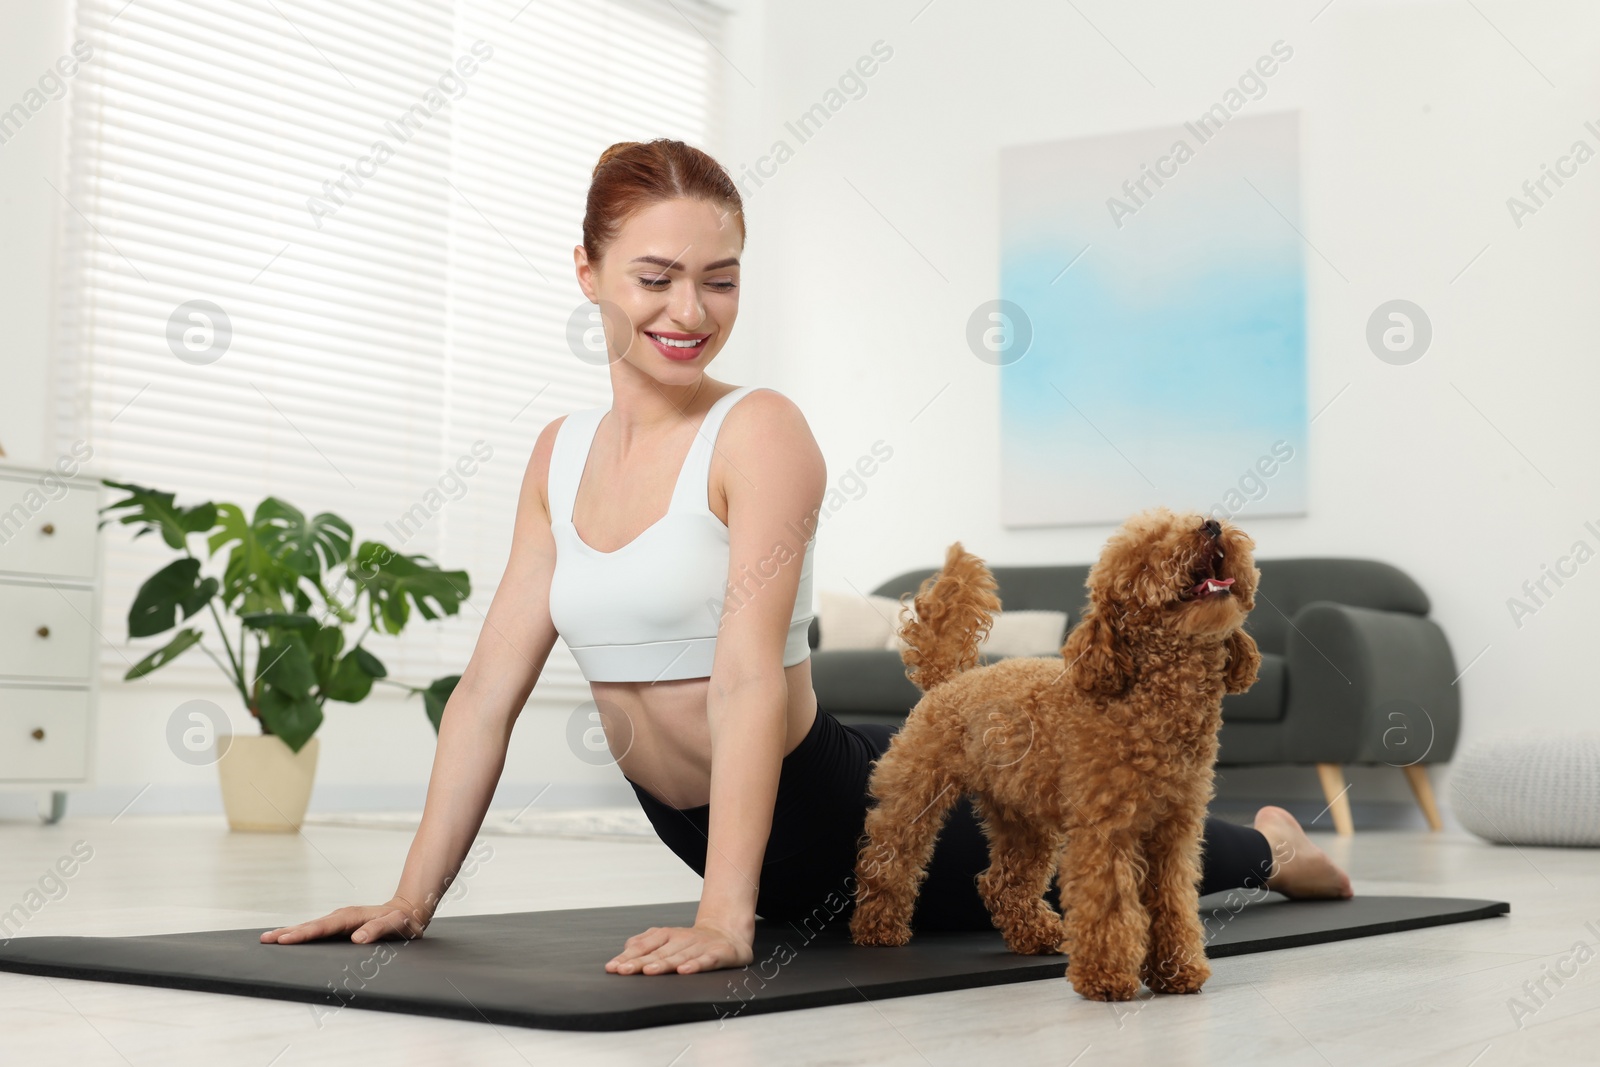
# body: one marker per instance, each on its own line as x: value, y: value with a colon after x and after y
x: 632, y: 175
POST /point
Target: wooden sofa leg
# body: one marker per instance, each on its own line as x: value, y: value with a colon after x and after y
x: 1333, y: 789
x: 1422, y: 789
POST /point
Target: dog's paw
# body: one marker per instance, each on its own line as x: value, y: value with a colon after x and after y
x: 1039, y: 935
x: 1187, y: 979
x: 876, y: 931
x: 1094, y: 984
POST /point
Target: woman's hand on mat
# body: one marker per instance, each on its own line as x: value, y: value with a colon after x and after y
x: 370, y: 922
x: 705, y: 946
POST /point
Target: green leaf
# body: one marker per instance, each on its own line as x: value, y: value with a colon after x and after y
x: 306, y: 548
x: 395, y: 582
x: 290, y: 717
x: 370, y: 663
x: 163, y: 656
x: 159, y: 512
x: 325, y: 646
x: 285, y: 702
x: 200, y: 597
x: 436, y: 696
x: 279, y: 620
x: 334, y: 606
x: 252, y: 579
x: 286, y: 665
x: 350, y: 683
x: 175, y: 587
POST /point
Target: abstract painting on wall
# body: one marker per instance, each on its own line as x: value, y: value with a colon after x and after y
x: 1152, y: 324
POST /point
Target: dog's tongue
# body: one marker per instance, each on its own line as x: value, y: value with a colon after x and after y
x: 1211, y: 585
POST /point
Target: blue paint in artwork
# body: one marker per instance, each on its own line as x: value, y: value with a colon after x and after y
x: 1223, y: 346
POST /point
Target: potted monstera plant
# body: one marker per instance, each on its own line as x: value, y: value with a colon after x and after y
x: 290, y: 655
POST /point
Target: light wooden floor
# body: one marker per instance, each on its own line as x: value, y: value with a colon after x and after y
x: 1438, y: 996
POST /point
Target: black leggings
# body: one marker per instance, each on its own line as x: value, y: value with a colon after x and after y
x: 818, y: 819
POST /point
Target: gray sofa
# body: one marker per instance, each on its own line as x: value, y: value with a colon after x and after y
x: 1352, y: 670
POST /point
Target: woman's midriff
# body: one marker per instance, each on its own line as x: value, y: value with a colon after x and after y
x: 661, y: 740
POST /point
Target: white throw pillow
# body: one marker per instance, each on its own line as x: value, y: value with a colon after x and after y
x: 848, y: 620
x: 1025, y: 632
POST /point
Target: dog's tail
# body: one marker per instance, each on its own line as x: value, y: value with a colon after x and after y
x: 953, y: 612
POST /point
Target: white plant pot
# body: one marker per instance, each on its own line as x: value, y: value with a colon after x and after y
x: 265, y: 784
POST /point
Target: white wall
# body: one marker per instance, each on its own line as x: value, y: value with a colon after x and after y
x: 1418, y: 119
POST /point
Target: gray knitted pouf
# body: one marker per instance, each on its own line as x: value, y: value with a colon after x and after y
x: 1539, y: 790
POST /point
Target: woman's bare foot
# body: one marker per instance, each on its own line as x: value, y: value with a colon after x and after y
x: 1299, y: 868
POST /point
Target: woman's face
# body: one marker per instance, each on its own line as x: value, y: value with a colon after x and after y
x: 668, y: 288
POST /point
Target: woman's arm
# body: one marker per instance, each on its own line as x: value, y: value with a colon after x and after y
x: 774, y: 489
x: 774, y: 486
x: 474, y: 732
x: 748, y: 719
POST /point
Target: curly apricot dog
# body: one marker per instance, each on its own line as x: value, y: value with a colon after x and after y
x: 1097, y: 766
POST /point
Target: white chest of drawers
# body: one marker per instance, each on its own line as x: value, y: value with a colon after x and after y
x: 50, y: 563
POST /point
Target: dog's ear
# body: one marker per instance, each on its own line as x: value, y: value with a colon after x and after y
x: 1244, y: 660
x: 1095, y: 653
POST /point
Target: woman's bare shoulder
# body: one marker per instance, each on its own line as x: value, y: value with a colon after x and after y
x: 538, y: 472
x: 769, y: 439
x: 765, y: 409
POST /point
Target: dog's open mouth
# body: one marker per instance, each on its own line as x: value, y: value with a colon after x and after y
x: 1205, y: 576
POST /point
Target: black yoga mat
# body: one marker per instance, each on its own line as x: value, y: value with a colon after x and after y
x: 547, y: 968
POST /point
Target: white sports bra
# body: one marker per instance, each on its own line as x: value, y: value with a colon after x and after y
x: 648, y: 611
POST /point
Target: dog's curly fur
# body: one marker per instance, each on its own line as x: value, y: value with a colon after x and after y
x: 1097, y: 766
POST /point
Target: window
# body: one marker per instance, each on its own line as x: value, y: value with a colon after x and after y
x: 377, y: 205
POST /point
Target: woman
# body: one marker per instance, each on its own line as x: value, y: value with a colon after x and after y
x: 691, y: 628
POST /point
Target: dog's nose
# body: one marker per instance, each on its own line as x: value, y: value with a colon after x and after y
x: 1213, y: 527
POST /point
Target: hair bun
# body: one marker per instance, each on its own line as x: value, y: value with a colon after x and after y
x: 641, y: 173
x: 614, y: 150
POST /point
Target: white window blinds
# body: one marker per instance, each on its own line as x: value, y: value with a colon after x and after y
x: 376, y: 205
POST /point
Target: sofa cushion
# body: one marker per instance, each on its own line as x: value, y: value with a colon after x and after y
x: 1264, y: 701
x: 862, y: 680
x: 1012, y: 633
x: 850, y: 621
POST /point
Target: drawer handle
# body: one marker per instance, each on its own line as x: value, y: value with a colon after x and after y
x: 44, y: 631
x: 48, y: 528
x: 38, y: 733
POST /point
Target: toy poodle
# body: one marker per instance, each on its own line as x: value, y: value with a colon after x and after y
x: 1096, y: 767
